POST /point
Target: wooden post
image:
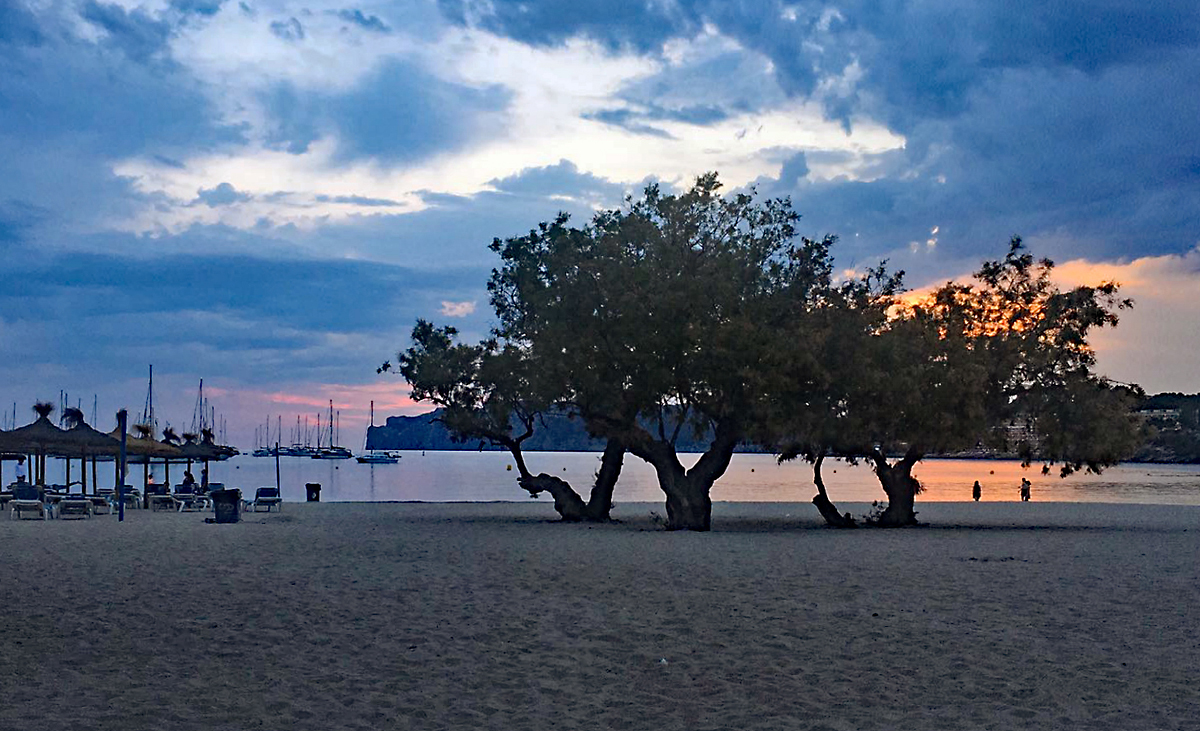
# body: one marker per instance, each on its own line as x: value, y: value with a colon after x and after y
x: 95, y: 479
x: 121, y: 416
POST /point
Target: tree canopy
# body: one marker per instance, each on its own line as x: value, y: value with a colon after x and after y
x: 709, y: 313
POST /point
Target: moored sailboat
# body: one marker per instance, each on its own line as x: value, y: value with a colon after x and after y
x: 375, y: 456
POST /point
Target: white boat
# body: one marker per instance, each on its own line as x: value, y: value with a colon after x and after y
x: 376, y: 456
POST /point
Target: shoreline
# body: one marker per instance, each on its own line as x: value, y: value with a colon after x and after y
x: 495, y: 615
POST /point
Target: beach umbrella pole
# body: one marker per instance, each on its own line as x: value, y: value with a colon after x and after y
x: 121, y: 416
x: 278, y: 489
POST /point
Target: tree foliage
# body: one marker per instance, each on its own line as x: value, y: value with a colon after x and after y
x: 709, y: 313
x: 663, y: 314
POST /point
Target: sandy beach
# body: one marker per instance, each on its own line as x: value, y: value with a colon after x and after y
x: 493, y: 616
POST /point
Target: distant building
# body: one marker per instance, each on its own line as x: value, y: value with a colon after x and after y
x: 1162, y: 418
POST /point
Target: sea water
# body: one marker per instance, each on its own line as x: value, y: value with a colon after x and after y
x: 487, y: 476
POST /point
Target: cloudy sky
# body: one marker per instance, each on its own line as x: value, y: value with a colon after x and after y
x: 267, y: 193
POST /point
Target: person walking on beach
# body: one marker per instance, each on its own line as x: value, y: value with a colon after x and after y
x: 1025, y: 485
x: 977, y: 491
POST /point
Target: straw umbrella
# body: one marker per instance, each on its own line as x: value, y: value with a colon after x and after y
x: 142, y: 449
x: 86, y: 441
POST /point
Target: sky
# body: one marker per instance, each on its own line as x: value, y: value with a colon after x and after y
x: 267, y: 194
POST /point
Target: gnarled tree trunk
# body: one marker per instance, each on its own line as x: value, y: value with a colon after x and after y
x: 901, y: 488
x: 567, y: 502
x: 689, y: 506
x: 600, y: 503
x: 824, y: 505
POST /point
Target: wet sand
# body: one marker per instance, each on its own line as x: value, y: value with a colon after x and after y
x: 437, y: 616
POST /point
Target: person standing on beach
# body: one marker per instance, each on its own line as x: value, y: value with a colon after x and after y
x: 22, y: 476
x: 977, y: 491
x: 1025, y: 485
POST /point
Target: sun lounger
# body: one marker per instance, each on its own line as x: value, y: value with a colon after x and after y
x: 101, y: 504
x: 75, y: 506
x: 267, y: 497
x: 27, y: 499
x: 188, y: 499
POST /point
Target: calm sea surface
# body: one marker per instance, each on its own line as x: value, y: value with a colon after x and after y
x: 484, y: 476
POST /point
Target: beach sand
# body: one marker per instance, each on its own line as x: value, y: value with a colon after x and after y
x: 493, y: 616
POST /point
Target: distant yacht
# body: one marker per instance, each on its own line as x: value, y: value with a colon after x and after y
x: 375, y: 456
x: 332, y: 451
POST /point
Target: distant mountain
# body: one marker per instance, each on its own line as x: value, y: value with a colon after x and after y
x: 561, y: 433
x: 1171, y: 431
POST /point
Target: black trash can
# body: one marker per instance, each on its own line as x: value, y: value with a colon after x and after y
x: 227, y: 505
x: 314, y: 491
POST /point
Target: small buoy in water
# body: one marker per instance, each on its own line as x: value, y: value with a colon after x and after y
x: 751, y: 469
x: 508, y: 468
x: 991, y: 472
x: 564, y: 469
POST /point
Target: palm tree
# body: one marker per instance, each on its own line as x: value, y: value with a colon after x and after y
x: 43, y: 409
x: 72, y: 417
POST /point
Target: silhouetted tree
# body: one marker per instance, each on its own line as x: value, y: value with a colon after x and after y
x: 486, y: 389
x: 662, y: 314
x: 952, y: 370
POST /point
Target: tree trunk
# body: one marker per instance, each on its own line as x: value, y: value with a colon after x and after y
x: 824, y: 505
x: 567, y: 502
x: 901, y: 488
x: 689, y: 506
x: 600, y: 502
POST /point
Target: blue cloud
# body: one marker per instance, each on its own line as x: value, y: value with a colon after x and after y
x: 556, y: 181
x: 198, y: 7
x: 642, y: 26
x: 288, y: 30
x: 399, y: 113
x: 369, y: 22
x: 357, y: 200
x: 625, y: 119
x: 223, y: 194
x: 135, y: 33
x: 18, y: 26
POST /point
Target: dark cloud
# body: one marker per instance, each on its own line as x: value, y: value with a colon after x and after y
x: 18, y: 26
x: 198, y: 7
x: 71, y: 106
x: 627, y: 119
x: 560, y: 180
x: 643, y: 26
x: 357, y: 200
x: 246, y: 318
x: 369, y: 22
x: 135, y: 33
x: 398, y: 113
x: 288, y: 30
x: 223, y: 194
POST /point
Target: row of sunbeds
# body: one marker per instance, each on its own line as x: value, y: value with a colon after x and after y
x: 32, y: 501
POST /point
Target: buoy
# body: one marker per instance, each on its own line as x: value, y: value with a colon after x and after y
x: 508, y: 467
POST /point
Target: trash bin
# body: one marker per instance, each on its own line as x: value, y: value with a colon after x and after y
x: 314, y: 491
x: 227, y: 505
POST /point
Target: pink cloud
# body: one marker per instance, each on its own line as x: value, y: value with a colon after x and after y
x: 457, y: 309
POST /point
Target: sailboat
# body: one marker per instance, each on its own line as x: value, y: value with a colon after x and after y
x: 376, y: 456
x: 331, y: 451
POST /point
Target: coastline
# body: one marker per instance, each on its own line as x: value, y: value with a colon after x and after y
x: 493, y: 615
